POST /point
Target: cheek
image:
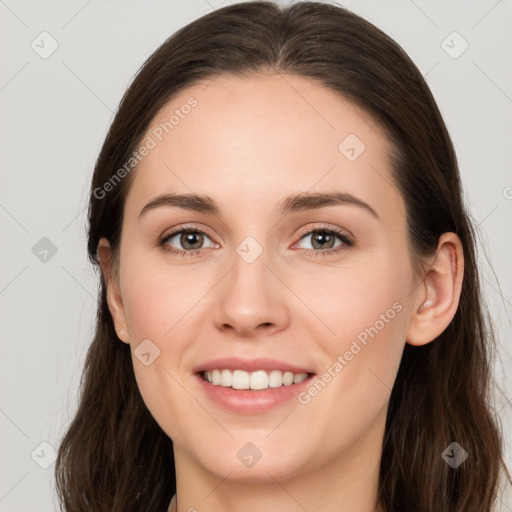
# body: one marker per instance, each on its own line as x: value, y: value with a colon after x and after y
x: 163, y: 307
x: 161, y: 313
x: 158, y: 302
x: 363, y: 313
x: 366, y: 313
x: 367, y: 292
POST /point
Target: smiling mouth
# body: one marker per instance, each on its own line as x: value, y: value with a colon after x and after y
x: 253, y: 381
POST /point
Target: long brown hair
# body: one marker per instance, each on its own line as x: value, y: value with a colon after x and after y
x: 114, y: 456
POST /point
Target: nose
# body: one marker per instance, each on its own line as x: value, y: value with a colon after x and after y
x: 251, y: 299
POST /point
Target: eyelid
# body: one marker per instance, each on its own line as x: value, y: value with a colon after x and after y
x: 302, y: 231
x: 326, y: 227
x: 187, y: 227
x: 344, y: 235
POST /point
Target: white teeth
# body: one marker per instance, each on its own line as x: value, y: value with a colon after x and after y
x: 240, y: 379
x: 258, y: 380
x: 287, y: 379
x: 275, y: 379
x: 226, y: 378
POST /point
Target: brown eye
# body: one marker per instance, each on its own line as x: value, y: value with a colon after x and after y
x: 184, y: 241
x: 191, y: 240
x: 323, y: 241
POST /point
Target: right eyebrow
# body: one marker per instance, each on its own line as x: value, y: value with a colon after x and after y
x: 198, y: 203
x: 293, y: 203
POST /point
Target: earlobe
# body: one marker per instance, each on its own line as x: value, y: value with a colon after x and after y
x: 113, y: 292
x: 436, y: 302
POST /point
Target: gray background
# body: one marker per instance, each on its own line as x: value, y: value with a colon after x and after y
x: 55, y: 112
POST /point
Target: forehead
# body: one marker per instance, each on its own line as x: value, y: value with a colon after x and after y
x: 264, y: 137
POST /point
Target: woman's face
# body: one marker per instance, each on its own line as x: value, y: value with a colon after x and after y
x: 263, y: 279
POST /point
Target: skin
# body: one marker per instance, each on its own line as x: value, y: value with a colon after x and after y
x: 248, y: 144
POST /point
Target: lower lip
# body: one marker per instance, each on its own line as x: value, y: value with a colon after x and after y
x: 251, y: 401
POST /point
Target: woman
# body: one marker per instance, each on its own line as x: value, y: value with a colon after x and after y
x: 232, y: 367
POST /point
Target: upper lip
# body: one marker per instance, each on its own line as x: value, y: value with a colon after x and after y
x: 249, y: 365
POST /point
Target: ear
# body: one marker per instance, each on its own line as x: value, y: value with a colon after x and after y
x: 437, y: 297
x: 115, y: 302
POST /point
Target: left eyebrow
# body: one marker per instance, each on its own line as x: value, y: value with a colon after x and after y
x: 311, y: 201
x: 294, y: 203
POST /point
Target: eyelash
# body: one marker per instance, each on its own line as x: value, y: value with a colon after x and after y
x: 347, y: 241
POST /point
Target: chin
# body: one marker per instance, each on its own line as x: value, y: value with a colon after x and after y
x: 248, y: 464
